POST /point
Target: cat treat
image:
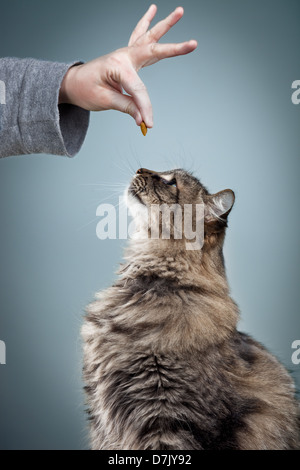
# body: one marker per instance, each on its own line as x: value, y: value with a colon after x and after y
x: 143, y: 128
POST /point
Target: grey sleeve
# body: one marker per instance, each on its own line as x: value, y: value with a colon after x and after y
x: 31, y: 121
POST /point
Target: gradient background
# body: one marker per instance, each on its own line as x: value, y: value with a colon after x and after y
x: 224, y: 111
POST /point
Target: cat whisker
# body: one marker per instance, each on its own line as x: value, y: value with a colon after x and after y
x: 96, y: 202
x: 87, y: 224
x: 120, y: 204
x: 108, y: 185
x: 135, y: 156
x: 110, y: 196
x: 125, y: 169
x: 112, y: 191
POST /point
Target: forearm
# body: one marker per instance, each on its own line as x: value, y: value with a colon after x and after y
x: 31, y: 121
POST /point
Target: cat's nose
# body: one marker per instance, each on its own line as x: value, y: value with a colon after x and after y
x: 141, y: 171
x: 144, y: 171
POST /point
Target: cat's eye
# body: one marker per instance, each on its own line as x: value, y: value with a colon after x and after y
x: 170, y: 183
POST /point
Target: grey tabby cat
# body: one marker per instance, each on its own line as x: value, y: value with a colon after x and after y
x: 164, y: 365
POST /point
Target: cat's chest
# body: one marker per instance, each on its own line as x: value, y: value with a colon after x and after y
x: 168, y: 379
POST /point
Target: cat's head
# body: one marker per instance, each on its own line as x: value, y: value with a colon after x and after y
x: 174, y: 205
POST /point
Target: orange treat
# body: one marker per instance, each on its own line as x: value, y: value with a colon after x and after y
x: 143, y: 128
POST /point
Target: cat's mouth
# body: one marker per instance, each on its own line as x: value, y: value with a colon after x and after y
x: 135, y: 192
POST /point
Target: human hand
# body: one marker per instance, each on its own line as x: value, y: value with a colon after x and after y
x: 99, y: 84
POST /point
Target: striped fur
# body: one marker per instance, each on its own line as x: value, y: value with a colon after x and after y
x: 164, y: 365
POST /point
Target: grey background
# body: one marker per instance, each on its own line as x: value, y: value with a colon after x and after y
x: 224, y: 111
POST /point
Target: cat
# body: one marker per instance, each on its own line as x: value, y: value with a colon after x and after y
x: 164, y: 365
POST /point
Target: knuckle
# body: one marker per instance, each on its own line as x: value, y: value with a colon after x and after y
x: 150, y: 35
x: 153, y: 49
x: 129, y: 109
x: 139, y: 86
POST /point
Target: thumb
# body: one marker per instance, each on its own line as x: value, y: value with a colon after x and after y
x: 125, y: 104
x: 133, y: 85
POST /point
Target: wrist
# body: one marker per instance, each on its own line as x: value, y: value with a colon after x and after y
x: 66, y: 94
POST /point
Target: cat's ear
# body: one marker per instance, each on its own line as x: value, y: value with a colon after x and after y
x: 219, y: 205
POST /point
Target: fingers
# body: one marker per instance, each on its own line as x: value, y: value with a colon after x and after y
x: 145, y: 51
x: 143, y: 24
x: 161, y: 28
x: 144, y: 56
x: 133, y: 85
x: 125, y: 104
x: 164, y: 51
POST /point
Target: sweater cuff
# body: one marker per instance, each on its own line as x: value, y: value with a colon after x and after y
x: 45, y: 126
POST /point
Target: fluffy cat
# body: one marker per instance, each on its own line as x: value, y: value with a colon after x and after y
x: 164, y: 365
